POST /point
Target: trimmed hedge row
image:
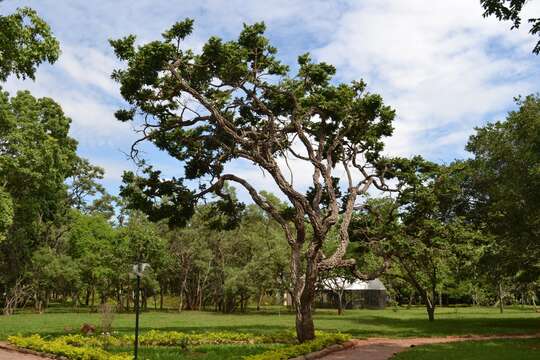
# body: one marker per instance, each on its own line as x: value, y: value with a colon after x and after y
x: 176, y: 338
x: 61, y: 348
x: 79, y: 347
x: 321, y: 341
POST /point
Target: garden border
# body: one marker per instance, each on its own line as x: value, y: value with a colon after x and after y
x: 8, y: 347
x: 326, y: 351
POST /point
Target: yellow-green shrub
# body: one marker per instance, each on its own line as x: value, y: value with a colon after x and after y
x: 175, y: 338
x: 91, y: 341
x: 321, y: 341
x: 60, y: 347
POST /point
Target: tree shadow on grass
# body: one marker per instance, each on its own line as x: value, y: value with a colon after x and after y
x: 380, y: 326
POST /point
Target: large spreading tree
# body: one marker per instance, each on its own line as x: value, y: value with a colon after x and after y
x: 236, y: 101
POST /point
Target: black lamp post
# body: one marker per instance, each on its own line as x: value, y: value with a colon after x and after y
x: 138, y: 270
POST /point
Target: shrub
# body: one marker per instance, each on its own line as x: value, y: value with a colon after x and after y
x: 79, y: 347
x: 61, y: 348
x: 321, y: 341
x: 175, y: 338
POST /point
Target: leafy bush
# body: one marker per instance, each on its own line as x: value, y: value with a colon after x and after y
x: 100, y: 341
x: 175, y: 338
x: 321, y: 341
x: 80, y: 347
x: 60, y: 347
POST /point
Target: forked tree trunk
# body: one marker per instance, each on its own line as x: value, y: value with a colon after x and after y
x: 430, y: 305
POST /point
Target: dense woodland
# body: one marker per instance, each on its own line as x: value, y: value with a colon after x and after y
x: 467, y: 232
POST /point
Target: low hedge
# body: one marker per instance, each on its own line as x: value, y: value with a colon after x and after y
x: 79, y: 347
x: 61, y: 348
x: 321, y: 341
x: 175, y: 338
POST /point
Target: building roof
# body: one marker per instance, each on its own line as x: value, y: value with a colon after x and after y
x: 375, y: 284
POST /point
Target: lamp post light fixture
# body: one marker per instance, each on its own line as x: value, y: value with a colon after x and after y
x: 138, y: 270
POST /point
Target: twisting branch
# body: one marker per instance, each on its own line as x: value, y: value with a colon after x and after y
x: 259, y: 200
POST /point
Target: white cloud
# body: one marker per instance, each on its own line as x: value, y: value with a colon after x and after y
x: 80, y: 83
x: 91, y: 67
x: 438, y: 63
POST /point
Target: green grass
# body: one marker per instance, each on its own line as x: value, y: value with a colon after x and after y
x: 526, y: 349
x: 359, y: 323
x: 206, y: 352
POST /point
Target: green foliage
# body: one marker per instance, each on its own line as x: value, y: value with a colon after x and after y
x: 84, y: 184
x: 175, y: 201
x: 175, y: 338
x: 91, y: 347
x: 25, y: 42
x: 510, y: 10
x: 204, y: 142
x: 321, y: 341
x: 6, y: 213
x: 422, y: 232
x: 99, y: 341
x: 37, y: 157
x: 54, y: 272
x: 60, y: 347
x: 505, y: 187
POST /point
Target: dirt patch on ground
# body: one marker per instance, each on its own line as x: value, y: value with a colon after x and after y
x: 384, y: 348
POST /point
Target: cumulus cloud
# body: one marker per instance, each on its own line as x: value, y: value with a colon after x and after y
x: 439, y: 63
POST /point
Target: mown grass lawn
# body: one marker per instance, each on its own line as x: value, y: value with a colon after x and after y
x: 526, y: 349
x: 359, y: 323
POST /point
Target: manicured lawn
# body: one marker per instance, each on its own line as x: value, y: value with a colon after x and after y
x: 527, y: 349
x: 359, y: 323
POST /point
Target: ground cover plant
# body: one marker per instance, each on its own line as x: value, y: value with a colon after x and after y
x: 163, y: 344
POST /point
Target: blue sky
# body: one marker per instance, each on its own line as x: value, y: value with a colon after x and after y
x: 443, y: 67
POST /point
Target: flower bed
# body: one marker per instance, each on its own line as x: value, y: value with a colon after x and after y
x: 59, y: 347
x: 79, y: 347
x: 321, y: 341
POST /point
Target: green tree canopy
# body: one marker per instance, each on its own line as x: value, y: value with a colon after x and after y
x: 421, y: 232
x: 25, y: 42
x: 507, y: 185
x: 236, y: 100
x: 36, y: 157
